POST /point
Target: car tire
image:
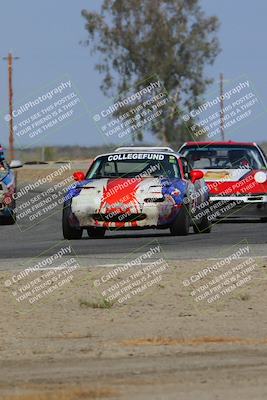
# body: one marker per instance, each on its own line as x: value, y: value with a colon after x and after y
x: 69, y: 232
x: 181, y: 225
x: 203, y: 227
x: 11, y: 220
x: 96, y: 233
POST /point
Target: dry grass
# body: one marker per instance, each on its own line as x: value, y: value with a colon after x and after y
x: 67, y: 394
x: 95, y: 304
x: 191, y: 342
x: 29, y: 175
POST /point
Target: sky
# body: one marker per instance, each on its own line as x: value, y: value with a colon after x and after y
x: 46, y: 35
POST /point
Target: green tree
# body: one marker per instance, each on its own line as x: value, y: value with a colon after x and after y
x: 171, y: 38
x: 49, y: 153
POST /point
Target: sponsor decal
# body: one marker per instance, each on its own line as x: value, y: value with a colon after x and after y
x: 135, y: 156
x: 224, y: 175
x: 214, y: 175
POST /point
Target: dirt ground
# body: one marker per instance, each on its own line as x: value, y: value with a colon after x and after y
x: 161, y: 344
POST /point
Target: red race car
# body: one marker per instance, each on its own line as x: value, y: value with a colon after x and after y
x: 236, y: 174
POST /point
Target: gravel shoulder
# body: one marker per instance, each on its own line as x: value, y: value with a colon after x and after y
x: 160, y: 345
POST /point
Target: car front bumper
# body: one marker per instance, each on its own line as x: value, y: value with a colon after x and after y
x: 232, y: 207
x: 151, y: 215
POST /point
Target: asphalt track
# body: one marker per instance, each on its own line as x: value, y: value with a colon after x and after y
x: 17, y: 245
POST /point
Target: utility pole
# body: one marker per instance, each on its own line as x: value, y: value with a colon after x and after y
x: 10, y: 59
x: 222, y: 108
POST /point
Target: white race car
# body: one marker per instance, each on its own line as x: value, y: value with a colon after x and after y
x: 134, y: 188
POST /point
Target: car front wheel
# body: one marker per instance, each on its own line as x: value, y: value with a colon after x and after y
x: 181, y: 225
x: 10, y: 218
x: 68, y: 231
x: 203, y: 227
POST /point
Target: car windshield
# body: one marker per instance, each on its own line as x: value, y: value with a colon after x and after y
x: 131, y: 165
x: 226, y: 157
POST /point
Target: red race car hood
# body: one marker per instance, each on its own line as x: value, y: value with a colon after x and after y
x: 129, y: 191
x: 107, y: 193
x: 236, y: 181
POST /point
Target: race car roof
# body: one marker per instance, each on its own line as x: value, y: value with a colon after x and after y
x: 229, y: 143
x: 144, y: 148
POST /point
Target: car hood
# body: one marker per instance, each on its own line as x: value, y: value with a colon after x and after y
x: 129, y: 189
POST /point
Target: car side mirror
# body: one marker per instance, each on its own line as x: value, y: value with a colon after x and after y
x: 79, y: 176
x: 15, y: 164
x: 195, y: 175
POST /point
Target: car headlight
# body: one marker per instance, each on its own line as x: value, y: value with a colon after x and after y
x: 260, y: 177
